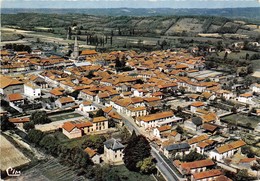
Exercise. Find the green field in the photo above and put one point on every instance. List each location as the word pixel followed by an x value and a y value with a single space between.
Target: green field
pixel 125 174
pixel 65 116
pixel 242 120
pixel 256 64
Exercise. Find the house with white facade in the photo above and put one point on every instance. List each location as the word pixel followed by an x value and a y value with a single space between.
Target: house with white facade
pixel 245 98
pixel 255 88
pixel 87 106
pixel 31 90
pixel 196 105
pixel 187 168
pixel 227 150
pixel 175 149
pixel 93 155
pixel 162 131
pixel 65 102
pixel 158 119
pixel 206 175
pixel 113 152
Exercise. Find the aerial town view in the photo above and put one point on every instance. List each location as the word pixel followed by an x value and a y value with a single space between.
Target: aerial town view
pixel 126 90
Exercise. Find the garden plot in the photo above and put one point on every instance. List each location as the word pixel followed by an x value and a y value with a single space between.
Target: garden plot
pixel 186 24
pixel 50 170
pixel 11 156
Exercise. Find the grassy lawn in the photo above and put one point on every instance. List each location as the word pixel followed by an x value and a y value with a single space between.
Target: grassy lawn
pixel 238 55
pixel 242 120
pixel 65 116
pixel 256 64
pixel 125 174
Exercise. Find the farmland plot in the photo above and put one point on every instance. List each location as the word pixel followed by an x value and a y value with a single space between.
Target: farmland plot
pixel 50 170
pixel 10 156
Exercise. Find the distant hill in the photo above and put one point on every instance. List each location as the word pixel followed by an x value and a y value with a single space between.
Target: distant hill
pixel 248 13
pixel 188 25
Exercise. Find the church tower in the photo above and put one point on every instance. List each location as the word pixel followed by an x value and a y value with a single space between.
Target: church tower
pixel 75 53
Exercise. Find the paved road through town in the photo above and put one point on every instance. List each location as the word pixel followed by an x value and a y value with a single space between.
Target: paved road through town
pixel 161 164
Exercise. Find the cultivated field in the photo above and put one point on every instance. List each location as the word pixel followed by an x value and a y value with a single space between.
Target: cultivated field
pixel 49 171
pixel 65 116
pixel 10 156
pixel 242 120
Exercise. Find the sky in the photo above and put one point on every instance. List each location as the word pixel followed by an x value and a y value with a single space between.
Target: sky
pixel 129 3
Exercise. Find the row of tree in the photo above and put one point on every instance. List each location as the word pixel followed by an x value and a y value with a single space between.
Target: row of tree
pixel 137 155
pixel 75 156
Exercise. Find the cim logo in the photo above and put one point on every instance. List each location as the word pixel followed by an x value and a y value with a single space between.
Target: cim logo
pixel 11 172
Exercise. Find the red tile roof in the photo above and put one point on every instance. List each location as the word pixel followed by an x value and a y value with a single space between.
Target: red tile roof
pixel 197 104
pixel 19 120
pixel 230 146
pixel 15 97
pixel 207 174
pixel 197 164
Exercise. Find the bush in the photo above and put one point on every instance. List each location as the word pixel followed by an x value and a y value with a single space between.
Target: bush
pixel 28 126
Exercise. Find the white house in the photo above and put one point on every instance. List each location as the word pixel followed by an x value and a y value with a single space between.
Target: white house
pixel 71 130
pixel 196 105
pixel 65 102
pixel 113 152
pixel 162 131
pixel 93 155
pixel 255 88
pixel 187 168
pixel 206 175
pixel 136 111
pixel 32 91
pixel 176 149
pixel 245 98
pixel 87 106
pixel 157 119
pixel 226 150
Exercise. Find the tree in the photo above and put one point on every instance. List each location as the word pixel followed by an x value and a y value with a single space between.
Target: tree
pixel 111 123
pixel 193 156
pixel 124 135
pixel 248 151
pixel 40 117
pixel 242 175
pixel 147 166
pixel 256 167
pixel 179 129
pixel 35 136
pixel 5 124
pixel 95 142
pixel 28 126
pixel 99 113
pixel 50 144
pixel 137 150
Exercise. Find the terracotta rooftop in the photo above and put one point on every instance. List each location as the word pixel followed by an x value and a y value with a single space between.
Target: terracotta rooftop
pixel 207 174
pixel 90 152
pixel 8 81
pixel 197 104
pixel 164 128
pixel 209 127
pixel 88 52
pixel 197 164
pixel 107 109
pixel 161 115
pixel 246 95
pixel 222 178
pixel 230 146
pixel 66 100
pixel 19 120
pixel 68 126
pixel 198 139
pixel 15 97
pixel 99 119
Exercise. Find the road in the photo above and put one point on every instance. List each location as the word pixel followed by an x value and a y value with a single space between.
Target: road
pixel 161 164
